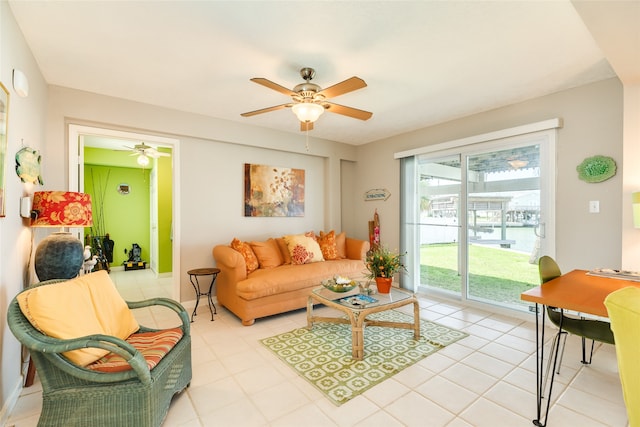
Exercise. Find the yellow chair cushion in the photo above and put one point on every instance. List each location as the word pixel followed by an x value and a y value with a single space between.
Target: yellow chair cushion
pixel 86 305
pixel 623 307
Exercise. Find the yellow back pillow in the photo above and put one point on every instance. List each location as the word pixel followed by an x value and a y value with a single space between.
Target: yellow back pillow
pixel 86 305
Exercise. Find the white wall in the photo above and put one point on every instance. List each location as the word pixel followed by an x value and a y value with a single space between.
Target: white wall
pixel 592 116
pixel 212 155
pixel 26 125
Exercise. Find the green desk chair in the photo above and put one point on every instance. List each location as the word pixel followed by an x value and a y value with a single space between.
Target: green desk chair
pixel 624 311
pixel 595 330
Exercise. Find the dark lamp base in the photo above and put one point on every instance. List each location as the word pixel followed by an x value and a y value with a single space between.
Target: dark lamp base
pixel 59 256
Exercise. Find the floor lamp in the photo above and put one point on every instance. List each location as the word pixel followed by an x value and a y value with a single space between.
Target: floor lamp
pixel 60 255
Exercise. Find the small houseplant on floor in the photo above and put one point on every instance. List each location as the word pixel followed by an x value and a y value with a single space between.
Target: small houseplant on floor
pixel 382 264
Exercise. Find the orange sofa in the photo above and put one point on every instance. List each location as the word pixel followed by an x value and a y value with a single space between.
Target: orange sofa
pixel 268 291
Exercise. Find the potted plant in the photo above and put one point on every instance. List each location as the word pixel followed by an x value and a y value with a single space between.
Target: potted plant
pixel 382 264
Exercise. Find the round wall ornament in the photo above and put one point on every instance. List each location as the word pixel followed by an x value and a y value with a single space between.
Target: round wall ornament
pixel 28 165
pixel 596 169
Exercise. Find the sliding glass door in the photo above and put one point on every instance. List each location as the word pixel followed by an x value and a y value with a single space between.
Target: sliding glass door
pixel 483 217
pixel 503 215
pixel 439 223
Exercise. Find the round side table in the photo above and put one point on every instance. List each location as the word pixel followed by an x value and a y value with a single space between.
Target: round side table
pixel 193 278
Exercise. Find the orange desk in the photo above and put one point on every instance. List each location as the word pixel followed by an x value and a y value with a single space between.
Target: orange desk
pixel 576 291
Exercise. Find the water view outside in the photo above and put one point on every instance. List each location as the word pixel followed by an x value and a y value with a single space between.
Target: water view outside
pixel 503 211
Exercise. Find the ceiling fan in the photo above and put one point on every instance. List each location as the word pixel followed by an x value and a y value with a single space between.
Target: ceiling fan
pixel 144 151
pixel 309 100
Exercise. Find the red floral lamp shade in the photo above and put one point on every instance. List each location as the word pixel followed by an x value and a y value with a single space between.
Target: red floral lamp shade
pixel 61 209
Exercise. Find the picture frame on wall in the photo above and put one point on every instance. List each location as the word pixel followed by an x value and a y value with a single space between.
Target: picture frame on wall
pixel 4 120
pixel 273 191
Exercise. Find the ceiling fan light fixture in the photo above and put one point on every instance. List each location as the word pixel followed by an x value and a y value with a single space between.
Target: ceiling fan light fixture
pixel 517 163
pixel 307 111
pixel 143 160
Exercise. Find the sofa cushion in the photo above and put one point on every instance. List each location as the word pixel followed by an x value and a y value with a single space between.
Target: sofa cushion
pixel 341 245
pixel 268 253
pixel 327 242
pixel 284 250
pixel 245 250
pixel 86 305
pixel 288 278
pixel 303 249
pixel 153 346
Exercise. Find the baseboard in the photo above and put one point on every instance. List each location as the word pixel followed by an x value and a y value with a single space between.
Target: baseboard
pixel 190 305
pixel 11 401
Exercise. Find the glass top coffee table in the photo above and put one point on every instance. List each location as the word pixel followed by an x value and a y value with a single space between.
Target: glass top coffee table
pixel 357 307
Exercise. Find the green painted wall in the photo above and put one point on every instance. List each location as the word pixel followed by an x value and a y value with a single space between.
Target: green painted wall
pixel 127 217
pixel 124 217
pixel 165 211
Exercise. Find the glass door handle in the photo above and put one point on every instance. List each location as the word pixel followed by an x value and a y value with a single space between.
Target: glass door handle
pixel 539 230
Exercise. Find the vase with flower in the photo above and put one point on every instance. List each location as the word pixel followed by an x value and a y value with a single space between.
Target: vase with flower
pixel 382 264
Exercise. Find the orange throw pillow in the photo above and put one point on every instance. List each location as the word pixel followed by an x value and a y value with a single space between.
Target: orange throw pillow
pixel 328 246
pixel 284 250
pixel 268 253
pixel 247 253
pixel 341 245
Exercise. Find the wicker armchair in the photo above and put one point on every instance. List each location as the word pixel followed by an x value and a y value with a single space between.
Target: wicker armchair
pixel 77 396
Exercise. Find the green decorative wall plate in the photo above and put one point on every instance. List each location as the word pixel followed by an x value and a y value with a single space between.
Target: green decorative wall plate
pixel 28 165
pixel 596 169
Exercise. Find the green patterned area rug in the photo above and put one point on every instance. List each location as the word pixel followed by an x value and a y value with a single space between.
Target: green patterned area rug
pixel 322 355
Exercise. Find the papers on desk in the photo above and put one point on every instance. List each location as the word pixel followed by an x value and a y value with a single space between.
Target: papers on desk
pixel 616 274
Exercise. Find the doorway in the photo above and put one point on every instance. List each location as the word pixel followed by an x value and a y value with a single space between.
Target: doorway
pixel 115 140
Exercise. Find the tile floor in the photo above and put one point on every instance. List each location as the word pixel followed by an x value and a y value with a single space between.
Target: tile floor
pixel 487 379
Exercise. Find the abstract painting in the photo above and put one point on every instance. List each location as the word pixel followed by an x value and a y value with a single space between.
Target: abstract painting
pixel 273 191
pixel 4 119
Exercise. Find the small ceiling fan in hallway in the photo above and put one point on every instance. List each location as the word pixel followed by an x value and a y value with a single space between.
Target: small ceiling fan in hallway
pixel 309 100
pixel 144 152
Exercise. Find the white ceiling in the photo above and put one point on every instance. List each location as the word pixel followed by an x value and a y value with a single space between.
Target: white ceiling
pixel 425 62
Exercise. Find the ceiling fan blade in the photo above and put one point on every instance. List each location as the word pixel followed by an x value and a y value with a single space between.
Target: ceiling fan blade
pixel 155 154
pixel 349 85
pixel 348 111
pixel 265 110
pixel 305 126
pixel 272 85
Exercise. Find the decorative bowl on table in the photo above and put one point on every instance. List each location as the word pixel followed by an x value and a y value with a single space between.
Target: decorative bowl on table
pixel 339 284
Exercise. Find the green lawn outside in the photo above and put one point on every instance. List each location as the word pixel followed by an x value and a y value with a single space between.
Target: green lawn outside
pixel 497 275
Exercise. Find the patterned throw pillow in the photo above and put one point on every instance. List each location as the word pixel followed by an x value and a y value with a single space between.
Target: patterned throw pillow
pixel 303 249
pixel 247 253
pixel 327 244
pixel 153 346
